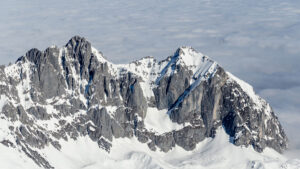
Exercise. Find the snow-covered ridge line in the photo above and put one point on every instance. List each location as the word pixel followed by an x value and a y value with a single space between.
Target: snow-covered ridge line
pixel 258 101
pixel 189 57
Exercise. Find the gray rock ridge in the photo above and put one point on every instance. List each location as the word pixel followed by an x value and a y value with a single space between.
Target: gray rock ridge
pixel 43 90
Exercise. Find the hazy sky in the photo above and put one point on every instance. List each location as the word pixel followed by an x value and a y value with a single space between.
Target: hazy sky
pixel 257 40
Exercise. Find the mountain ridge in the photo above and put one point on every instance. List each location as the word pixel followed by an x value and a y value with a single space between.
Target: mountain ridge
pixel 72 92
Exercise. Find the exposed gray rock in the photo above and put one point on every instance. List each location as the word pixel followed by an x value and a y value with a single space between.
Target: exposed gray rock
pixel 23 115
pixel 134 96
pixel 165 142
pixel 10 112
pixel 188 137
pixel 151 146
pixel 44 75
pixel 39 113
pixel 103 122
pixel 7 143
pixel 171 87
pixel 102 143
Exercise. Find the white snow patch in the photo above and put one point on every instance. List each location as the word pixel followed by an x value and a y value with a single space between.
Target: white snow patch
pixel 11 158
pixel 99 55
pixel 111 110
pixel 3 101
pixel 159 121
pixel 92 128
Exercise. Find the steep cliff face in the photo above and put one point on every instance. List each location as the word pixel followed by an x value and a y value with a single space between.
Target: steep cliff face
pixel 71 92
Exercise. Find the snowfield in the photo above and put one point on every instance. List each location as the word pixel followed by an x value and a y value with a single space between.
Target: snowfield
pixel 131 154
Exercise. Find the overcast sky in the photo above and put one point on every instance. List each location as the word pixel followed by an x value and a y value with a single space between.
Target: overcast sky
pixel 257 40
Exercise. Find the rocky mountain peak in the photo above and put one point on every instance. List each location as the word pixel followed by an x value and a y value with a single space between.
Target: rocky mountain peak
pixel 184 50
pixel 189 57
pixel 77 49
pixel 73 92
pixel 78 43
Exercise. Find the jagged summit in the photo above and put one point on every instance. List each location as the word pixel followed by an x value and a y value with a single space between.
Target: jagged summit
pixel 190 56
pixel 78 48
pixel 72 93
pixel 82 51
pixel 77 41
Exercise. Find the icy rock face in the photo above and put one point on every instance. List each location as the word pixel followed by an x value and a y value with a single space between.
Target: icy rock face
pixel 73 91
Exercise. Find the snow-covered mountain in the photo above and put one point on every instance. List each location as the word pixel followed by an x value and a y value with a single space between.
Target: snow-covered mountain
pixel 70 107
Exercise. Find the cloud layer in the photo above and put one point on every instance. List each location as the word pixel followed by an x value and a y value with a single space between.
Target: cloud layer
pixel 256 40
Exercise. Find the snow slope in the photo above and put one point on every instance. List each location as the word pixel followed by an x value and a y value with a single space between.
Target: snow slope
pixel 159 121
pixel 131 154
